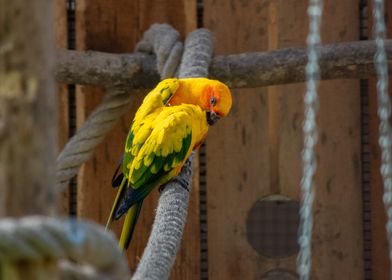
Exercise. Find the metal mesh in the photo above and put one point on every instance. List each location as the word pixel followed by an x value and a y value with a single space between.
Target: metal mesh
pixel 272 227
pixel 71 37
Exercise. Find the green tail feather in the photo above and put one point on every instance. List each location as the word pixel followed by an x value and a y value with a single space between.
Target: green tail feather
pixel 116 202
pixel 129 225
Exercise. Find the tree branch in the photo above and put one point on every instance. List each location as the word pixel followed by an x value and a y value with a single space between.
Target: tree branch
pixel 353 60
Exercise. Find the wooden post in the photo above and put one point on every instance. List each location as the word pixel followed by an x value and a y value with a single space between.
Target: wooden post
pixel 261 145
pixel 28 142
pixel 116 26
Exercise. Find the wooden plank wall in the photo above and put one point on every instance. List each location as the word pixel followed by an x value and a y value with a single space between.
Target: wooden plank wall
pixel 380 266
pixel 116 26
pixel 261 142
pixel 241 142
pixel 60 14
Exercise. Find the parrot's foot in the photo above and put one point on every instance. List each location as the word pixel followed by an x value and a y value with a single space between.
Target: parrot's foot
pixel 182 182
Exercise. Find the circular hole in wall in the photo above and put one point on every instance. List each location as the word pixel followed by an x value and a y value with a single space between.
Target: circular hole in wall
pixel 279 274
pixel 272 226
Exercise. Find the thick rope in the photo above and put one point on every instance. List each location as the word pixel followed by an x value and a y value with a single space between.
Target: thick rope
pixel 166 234
pixel 162 40
pixel 384 113
pixel 81 146
pixel 36 238
pixel 311 101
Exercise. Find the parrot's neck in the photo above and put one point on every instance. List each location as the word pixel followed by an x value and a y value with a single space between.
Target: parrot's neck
pixel 190 93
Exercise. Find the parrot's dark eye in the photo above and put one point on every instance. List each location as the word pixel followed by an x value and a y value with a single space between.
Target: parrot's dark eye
pixel 213 101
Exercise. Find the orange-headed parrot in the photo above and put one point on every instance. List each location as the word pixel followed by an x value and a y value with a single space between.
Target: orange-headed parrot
pixel 172 121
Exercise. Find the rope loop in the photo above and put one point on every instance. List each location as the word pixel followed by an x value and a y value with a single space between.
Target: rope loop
pixel 162 40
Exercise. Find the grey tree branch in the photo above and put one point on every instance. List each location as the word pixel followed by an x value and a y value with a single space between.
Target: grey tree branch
pixel 137 70
pixel 352 60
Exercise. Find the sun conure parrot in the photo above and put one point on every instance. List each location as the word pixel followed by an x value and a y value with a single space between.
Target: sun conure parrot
pixel 172 121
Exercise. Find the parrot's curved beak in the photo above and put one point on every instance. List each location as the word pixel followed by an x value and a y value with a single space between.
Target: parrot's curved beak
pixel 212 117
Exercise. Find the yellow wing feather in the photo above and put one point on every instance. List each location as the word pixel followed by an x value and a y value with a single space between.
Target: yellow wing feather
pixel 175 132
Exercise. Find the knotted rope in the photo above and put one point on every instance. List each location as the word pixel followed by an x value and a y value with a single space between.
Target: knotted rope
pixel 162 40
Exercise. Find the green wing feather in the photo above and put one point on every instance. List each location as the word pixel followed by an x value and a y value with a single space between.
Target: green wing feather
pixel 159 158
pixel 142 125
pixel 141 129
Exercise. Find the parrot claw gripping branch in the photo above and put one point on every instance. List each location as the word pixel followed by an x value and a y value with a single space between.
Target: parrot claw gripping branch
pixel 183 183
pixel 172 121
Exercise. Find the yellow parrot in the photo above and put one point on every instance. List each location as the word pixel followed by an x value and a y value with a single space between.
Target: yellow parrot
pixel 172 121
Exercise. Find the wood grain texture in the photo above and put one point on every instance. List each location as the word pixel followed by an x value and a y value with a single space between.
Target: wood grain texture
pixel 379 245
pixel 238 166
pixel 337 237
pixel 116 27
pixel 270 154
pixel 60 17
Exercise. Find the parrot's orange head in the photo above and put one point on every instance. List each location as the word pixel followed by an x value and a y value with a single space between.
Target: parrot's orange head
pixel 216 100
pixel 212 96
